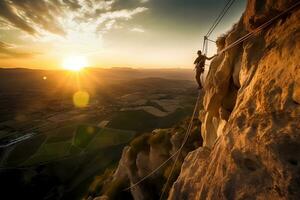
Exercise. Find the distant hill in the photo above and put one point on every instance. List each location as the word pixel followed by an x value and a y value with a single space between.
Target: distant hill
pixel 113 73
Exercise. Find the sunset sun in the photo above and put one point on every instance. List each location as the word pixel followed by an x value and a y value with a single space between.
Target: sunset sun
pixel 74 63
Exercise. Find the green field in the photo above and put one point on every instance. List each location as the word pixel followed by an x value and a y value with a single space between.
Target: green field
pixel 48 152
pixel 110 137
pixel 65 133
pixel 84 134
pixel 71 142
pixel 142 121
pixel 25 150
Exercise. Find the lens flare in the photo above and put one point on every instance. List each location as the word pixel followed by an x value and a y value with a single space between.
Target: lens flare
pixel 81 99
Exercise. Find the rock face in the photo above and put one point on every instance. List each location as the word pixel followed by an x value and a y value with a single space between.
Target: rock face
pixel 251 116
pixel 141 157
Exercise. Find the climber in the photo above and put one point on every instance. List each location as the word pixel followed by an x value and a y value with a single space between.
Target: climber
pixel 200 63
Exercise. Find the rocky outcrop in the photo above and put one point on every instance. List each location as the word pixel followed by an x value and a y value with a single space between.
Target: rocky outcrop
pixel 144 154
pixel 251 116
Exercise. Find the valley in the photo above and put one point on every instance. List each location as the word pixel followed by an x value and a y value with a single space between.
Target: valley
pixel 58 147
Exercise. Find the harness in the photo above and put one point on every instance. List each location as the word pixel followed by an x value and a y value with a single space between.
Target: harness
pixel 201 63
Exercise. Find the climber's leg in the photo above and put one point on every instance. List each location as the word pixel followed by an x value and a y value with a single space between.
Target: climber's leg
pixel 198 74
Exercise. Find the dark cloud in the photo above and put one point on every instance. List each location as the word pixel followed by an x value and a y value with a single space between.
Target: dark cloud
pixel 126 4
pixel 29 15
pixel 8 14
pixel 32 16
pixel 36 17
pixel 41 13
pixel 72 4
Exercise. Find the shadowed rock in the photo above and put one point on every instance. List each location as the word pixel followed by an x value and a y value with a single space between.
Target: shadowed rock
pixel 251 116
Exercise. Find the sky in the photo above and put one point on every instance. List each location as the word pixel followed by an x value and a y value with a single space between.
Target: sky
pixel 109 33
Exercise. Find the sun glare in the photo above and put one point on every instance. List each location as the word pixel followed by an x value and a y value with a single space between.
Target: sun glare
pixel 75 63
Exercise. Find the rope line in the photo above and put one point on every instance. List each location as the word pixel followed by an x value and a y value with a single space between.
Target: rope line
pixel 258 29
pixel 210 40
pixel 204 43
pixel 220 17
pixel 174 154
pixel 180 149
pixel 205 51
pixel 205 46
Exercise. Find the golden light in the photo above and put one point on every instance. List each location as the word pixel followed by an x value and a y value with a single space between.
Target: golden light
pixel 44 78
pixel 75 63
pixel 81 99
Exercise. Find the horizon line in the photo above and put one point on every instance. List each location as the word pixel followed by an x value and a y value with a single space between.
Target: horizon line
pixel 91 68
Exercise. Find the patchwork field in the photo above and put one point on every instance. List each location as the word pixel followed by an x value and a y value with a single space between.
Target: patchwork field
pixel 59 148
pixel 67 142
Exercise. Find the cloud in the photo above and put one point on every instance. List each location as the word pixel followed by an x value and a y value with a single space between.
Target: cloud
pixel 121 14
pixel 8 14
pixel 109 25
pixel 10 51
pixel 73 4
pixel 139 30
pixel 127 4
pixel 32 15
pixel 66 23
pixel 108 19
pixel 36 16
pixel 4 45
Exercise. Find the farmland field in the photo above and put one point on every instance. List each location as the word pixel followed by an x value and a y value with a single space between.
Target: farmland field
pixel 84 134
pixel 48 152
pixel 24 150
pixel 110 137
pixel 68 146
pixel 86 139
pixel 65 133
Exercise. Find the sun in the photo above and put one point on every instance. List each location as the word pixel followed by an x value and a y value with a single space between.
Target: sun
pixel 74 63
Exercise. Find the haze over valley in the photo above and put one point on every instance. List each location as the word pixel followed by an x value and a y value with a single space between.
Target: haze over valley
pixel 56 124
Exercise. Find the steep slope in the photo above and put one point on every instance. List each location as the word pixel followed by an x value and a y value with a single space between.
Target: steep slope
pixel 251 116
pixel 144 154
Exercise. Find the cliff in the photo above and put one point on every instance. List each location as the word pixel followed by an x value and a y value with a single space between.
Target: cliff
pixel 143 155
pixel 251 115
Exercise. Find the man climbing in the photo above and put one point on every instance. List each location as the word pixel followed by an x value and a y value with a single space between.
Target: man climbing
pixel 200 64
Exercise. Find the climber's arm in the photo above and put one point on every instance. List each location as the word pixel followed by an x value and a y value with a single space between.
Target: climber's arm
pixel 209 58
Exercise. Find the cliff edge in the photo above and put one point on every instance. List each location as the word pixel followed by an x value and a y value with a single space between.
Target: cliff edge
pixel 141 157
pixel 251 115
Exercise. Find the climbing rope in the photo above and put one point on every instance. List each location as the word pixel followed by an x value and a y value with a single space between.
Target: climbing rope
pixel 220 17
pixel 205 44
pixel 187 135
pixel 259 29
pixel 215 24
pixel 227 6
pixel 174 154
pixel 205 51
